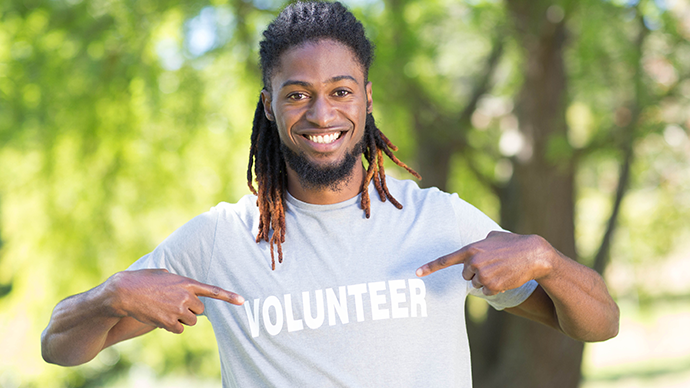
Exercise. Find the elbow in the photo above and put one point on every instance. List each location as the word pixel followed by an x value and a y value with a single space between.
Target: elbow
pixel 49 354
pixel 597 330
pixel 47 357
pixel 614 322
pixel 45 348
pixel 51 359
pixel 609 328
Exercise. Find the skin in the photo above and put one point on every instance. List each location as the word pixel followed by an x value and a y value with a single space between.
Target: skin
pixel 320 89
pixel 571 297
pixel 127 305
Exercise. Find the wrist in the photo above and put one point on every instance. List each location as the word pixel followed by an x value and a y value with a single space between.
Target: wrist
pixel 546 258
pixel 112 295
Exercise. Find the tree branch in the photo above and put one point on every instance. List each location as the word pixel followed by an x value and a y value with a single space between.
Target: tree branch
pixel 602 257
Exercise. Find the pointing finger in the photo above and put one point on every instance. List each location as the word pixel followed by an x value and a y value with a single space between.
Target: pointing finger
pixel 442 262
pixel 215 292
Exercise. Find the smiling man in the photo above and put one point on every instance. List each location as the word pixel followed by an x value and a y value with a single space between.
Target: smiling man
pixel 369 293
pixel 319 104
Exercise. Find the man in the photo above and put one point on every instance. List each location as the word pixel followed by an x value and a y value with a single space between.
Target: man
pixel 362 297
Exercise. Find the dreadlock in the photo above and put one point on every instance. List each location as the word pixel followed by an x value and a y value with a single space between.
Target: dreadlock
pixel 297 24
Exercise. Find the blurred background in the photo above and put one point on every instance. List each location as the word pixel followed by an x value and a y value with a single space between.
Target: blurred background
pixel 122 119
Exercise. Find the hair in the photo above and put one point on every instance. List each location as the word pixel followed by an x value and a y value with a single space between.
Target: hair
pixel 297 24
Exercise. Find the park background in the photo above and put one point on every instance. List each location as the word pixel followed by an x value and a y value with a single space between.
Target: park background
pixel 122 119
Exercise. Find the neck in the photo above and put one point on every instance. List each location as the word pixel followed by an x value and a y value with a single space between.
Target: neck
pixel 347 189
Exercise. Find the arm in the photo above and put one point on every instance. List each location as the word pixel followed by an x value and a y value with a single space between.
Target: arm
pixel 571 297
pixel 574 298
pixel 127 305
pixel 81 327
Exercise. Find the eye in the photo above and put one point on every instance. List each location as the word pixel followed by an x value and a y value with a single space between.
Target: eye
pixel 341 93
pixel 297 96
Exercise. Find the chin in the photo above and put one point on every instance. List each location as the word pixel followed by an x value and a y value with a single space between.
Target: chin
pixel 324 175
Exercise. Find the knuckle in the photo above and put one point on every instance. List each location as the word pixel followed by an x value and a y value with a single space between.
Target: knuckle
pixel 473 250
pixel 494 285
pixel 170 325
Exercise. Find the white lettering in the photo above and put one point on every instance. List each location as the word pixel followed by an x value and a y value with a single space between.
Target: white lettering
pixel 313 322
pixel 397 298
pixel 377 300
pixel 357 291
pixel 334 305
pixel 292 323
pixel 398 306
pixel 253 318
pixel 273 328
pixel 417 295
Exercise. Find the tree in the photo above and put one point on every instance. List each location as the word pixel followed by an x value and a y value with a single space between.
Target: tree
pixel 118 122
pixel 529 157
pixel 121 120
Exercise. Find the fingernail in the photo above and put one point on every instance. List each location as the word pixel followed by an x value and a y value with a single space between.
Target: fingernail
pixel 240 300
pixel 420 272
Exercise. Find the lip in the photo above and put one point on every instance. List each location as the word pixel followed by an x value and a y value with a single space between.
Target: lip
pixel 322 147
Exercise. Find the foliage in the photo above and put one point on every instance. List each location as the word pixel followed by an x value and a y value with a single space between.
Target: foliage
pixel 120 120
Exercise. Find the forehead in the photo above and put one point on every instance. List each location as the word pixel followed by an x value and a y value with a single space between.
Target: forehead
pixel 315 62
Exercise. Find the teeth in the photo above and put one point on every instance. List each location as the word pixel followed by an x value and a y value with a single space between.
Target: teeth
pixel 324 139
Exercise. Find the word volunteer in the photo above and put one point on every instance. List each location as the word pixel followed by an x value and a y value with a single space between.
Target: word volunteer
pixel 393 299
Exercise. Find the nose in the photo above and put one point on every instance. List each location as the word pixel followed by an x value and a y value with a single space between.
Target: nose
pixel 321 112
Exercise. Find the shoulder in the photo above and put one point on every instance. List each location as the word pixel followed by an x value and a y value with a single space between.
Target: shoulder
pixel 409 191
pixel 245 204
pixel 189 249
pixel 471 222
pixel 244 209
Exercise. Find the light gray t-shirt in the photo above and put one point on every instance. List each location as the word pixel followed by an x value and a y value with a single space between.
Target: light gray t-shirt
pixel 345 308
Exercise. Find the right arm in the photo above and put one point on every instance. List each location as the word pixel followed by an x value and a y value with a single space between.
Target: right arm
pixel 128 304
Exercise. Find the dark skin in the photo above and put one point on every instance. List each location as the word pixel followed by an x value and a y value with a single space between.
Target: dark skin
pixel 320 106
pixel 319 91
pixel 571 297
pixel 126 305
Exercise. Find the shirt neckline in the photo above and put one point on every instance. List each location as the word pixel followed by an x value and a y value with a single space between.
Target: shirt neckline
pixel 315 207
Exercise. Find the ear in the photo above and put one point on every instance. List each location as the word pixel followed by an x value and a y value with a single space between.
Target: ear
pixel 266 100
pixel 370 101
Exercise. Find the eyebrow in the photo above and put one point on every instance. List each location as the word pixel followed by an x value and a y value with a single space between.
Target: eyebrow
pixel 308 84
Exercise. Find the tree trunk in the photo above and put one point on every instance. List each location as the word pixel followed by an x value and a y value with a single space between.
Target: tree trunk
pixel 510 351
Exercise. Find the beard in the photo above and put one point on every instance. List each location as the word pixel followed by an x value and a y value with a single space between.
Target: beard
pixel 330 176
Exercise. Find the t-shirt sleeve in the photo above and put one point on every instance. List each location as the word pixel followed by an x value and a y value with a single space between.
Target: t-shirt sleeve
pixel 474 226
pixel 187 251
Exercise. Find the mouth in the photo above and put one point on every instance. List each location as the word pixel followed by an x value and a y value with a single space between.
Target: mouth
pixel 325 138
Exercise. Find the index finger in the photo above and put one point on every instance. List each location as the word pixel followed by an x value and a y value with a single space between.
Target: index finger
pixel 215 292
pixel 457 257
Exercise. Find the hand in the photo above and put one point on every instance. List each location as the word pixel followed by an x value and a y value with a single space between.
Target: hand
pixel 158 298
pixel 502 261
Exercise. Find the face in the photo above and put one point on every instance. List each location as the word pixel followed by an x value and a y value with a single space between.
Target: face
pixel 319 102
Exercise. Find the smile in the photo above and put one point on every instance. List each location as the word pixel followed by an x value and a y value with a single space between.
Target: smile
pixel 324 139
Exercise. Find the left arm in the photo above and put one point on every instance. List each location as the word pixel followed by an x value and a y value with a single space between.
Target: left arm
pixel 571 297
